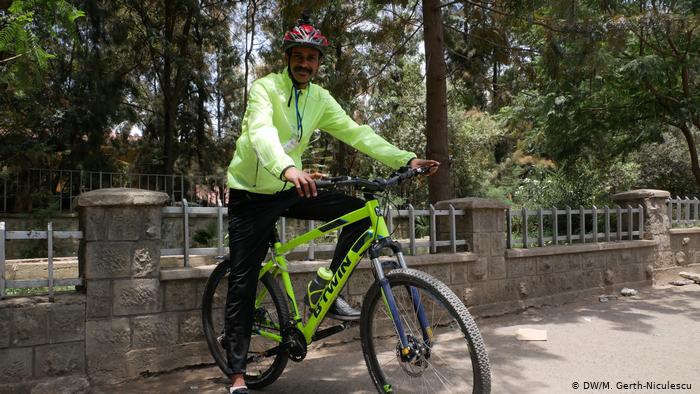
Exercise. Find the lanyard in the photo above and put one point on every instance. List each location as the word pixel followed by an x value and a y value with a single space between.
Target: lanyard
pixel 300 116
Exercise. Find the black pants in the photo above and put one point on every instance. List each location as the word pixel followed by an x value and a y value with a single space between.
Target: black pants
pixel 252 218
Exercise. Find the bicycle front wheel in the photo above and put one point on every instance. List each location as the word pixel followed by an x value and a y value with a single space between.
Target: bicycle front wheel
pixel 447 353
pixel 271 314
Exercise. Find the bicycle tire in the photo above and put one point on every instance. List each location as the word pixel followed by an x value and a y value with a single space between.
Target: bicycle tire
pixel 391 374
pixel 256 377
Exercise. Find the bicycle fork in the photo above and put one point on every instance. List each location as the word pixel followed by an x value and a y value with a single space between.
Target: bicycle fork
pixel 390 304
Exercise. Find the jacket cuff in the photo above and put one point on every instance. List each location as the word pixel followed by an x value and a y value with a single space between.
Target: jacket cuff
pixel 283 170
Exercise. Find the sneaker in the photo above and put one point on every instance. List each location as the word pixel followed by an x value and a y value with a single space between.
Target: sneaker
pixel 238 390
pixel 341 310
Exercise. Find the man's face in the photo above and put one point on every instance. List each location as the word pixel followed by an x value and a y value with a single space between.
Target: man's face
pixel 304 62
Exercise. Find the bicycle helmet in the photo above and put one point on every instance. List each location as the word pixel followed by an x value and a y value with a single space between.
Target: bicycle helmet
pixel 304 34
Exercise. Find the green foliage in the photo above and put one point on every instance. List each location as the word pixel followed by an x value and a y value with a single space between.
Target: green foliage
pixel 613 78
pixel 473 139
pixel 585 185
pixel 549 103
pixel 665 166
pixel 206 237
pixel 24 28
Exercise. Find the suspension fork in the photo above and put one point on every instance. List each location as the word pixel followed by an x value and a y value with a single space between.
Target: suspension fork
pixel 417 305
pixel 389 299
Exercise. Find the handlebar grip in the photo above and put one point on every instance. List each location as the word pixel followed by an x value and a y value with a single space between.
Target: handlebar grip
pixel 324 183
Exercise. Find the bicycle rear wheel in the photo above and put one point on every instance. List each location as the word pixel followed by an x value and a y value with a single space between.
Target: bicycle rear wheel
pixel 272 313
pixel 454 357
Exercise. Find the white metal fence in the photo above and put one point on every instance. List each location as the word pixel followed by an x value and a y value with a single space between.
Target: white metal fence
pixel 412 244
pixel 50 282
pixel 553 226
pixel 684 212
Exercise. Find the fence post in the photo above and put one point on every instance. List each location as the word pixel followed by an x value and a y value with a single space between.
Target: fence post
pixel 555 226
pixel 630 223
pixel 220 222
pixel 582 223
pixel 509 224
pixel 2 260
pixel 695 211
pixel 540 232
pixel 412 229
pixel 594 214
pixel 433 230
pixel 687 210
pixel 641 221
pixel 482 226
pixel 657 214
pixel 390 220
pixel 185 233
pixel 453 229
pixel 312 244
pixel 618 210
pixel 524 228
pixel 119 262
pixel 49 239
pixel 607 224
pixel 568 225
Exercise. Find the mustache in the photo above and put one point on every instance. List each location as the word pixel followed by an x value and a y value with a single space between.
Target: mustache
pixel 297 69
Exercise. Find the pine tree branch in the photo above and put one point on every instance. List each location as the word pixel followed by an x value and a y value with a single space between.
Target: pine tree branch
pixel 395 52
pixel 491 42
pixel 12 58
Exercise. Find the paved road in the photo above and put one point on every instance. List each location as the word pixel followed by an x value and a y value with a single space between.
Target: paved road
pixel 653 337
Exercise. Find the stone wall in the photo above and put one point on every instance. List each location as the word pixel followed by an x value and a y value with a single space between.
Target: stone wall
pixel 40 340
pixel 136 315
pixel 685 246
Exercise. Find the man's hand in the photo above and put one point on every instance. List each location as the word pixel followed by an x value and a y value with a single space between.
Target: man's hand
pixel 306 187
pixel 417 163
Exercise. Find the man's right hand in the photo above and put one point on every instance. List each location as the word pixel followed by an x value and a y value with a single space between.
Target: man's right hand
pixel 306 187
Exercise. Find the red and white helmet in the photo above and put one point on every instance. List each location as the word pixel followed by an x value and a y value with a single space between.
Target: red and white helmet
pixel 304 34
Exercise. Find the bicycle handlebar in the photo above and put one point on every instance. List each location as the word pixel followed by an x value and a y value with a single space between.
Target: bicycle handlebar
pixel 372 185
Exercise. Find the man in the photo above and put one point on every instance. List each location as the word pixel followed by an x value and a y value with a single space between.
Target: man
pixel 267 181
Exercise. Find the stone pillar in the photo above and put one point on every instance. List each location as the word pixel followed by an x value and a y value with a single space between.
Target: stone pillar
pixel 483 226
pixel 119 259
pixel 657 224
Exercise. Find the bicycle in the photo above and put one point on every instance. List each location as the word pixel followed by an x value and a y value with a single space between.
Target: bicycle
pixel 415 332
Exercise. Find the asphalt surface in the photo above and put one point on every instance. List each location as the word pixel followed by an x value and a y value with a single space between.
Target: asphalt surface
pixel 640 344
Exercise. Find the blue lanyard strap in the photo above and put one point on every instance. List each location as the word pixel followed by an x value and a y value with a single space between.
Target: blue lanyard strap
pixel 300 116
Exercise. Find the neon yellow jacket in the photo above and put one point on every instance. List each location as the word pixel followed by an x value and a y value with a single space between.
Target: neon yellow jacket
pixel 270 141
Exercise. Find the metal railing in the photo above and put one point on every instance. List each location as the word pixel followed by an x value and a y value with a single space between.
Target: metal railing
pixel 412 244
pixel 684 212
pixel 543 227
pixel 57 188
pixel 50 282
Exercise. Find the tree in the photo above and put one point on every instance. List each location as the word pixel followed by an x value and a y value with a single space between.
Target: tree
pixel 436 101
pixel 612 76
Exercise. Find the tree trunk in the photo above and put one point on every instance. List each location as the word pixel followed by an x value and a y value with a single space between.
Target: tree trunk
pixel 436 101
pixel 250 29
pixel 692 148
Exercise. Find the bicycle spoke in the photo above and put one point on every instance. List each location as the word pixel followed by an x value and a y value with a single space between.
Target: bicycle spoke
pixel 442 364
